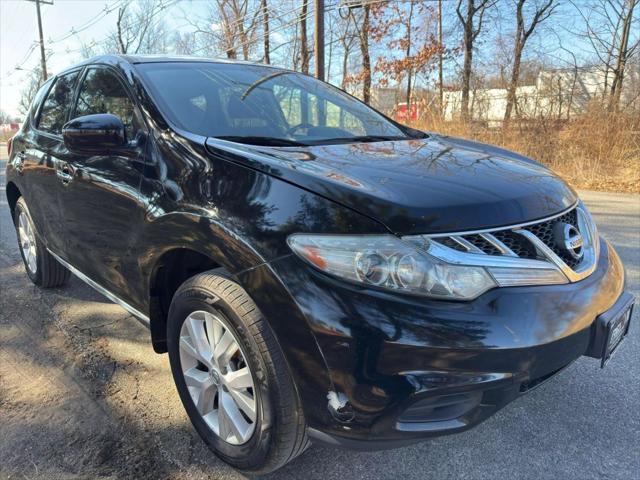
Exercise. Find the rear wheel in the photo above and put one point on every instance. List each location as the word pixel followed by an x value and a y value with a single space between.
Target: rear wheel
pixel 42 268
pixel 232 377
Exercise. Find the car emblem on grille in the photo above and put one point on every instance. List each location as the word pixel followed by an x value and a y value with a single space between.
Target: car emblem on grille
pixel 569 239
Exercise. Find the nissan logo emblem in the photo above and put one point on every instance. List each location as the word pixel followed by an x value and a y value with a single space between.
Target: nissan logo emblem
pixel 569 239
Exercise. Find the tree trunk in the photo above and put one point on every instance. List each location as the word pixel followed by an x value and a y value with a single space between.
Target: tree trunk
pixel 440 55
pixel 513 84
pixel 408 56
pixel 244 40
pixel 304 45
pixel 123 49
pixel 468 60
pixel 366 56
pixel 345 62
pixel 621 61
pixel 229 37
pixel 522 35
pixel 265 24
pixel 466 77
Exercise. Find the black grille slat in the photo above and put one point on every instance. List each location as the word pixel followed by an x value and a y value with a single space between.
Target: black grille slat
pixel 517 243
pixel 482 244
pixel 449 242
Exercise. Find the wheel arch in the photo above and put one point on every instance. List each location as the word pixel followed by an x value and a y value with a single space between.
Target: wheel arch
pixel 172 268
pixel 13 194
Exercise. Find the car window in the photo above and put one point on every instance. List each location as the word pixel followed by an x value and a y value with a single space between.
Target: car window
pixel 255 103
pixel 55 108
pixel 102 92
pixel 37 99
pixel 294 100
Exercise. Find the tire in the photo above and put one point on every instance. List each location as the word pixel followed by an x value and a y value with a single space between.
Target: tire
pixel 277 431
pixel 42 268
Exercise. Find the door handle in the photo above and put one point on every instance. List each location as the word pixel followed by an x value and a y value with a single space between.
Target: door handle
pixel 18 161
pixel 64 173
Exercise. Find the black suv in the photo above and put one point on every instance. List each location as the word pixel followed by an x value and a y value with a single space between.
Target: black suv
pixel 315 270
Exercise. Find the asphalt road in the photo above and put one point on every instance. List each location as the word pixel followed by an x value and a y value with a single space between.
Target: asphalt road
pixel 82 395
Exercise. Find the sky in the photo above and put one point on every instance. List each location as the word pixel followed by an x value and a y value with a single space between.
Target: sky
pixel 19 32
pixel 19 50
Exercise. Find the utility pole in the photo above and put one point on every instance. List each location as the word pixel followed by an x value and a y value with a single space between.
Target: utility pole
pixel 440 58
pixel 43 59
pixel 319 39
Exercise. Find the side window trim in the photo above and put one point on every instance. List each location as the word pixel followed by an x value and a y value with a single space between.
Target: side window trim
pixel 76 96
pixel 123 84
pixel 36 122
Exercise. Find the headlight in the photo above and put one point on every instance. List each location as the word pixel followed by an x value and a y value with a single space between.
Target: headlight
pixel 388 262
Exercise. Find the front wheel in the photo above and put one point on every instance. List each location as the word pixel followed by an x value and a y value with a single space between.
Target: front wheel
pixel 42 268
pixel 232 377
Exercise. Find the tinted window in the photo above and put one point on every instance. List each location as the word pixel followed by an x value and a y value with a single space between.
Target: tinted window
pixel 102 92
pixel 37 99
pixel 249 101
pixel 55 108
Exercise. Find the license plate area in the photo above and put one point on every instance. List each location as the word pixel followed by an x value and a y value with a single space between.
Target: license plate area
pixel 617 330
pixel 610 329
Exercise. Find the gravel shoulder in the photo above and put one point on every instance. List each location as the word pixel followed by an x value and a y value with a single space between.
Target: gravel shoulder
pixel 83 395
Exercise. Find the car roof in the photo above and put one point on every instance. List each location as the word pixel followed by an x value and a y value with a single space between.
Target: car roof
pixel 118 59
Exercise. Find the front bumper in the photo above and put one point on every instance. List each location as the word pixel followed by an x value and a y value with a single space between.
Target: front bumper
pixel 401 368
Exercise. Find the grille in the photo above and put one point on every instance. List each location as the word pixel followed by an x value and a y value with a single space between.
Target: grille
pixel 544 231
pixel 479 242
pixel 511 243
pixel 517 244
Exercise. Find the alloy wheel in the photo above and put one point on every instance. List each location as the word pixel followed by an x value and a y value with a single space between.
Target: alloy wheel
pixel 218 377
pixel 27 238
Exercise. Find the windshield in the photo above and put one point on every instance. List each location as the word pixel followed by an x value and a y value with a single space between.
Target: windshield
pixel 261 105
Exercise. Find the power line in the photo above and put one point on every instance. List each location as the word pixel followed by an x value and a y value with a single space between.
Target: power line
pixel 279 28
pixel 91 22
pixel 281 15
pixel 299 18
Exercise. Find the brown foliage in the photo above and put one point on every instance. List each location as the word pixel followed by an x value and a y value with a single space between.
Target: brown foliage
pixel 597 150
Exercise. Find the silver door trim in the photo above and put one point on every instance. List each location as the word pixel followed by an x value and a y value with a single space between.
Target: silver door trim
pixel 99 288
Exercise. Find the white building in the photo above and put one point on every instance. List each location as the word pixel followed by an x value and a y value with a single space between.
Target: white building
pixel 558 94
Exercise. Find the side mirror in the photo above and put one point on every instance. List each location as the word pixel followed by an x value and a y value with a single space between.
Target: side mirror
pixel 94 133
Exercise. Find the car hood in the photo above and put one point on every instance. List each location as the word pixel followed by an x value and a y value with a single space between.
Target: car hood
pixel 432 185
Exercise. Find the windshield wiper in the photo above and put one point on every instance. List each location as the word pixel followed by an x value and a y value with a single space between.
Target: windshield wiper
pixel 263 141
pixel 362 139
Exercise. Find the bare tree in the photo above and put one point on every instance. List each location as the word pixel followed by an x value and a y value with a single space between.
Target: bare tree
pixel 184 43
pixel 609 28
pixel 407 27
pixel 358 27
pixel 4 117
pixel 229 28
pixel 139 29
pixel 541 12
pixel 471 21
pixel 623 53
pixel 347 39
pixel 32 85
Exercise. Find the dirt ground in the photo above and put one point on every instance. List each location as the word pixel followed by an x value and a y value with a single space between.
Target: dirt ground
pixel 82 395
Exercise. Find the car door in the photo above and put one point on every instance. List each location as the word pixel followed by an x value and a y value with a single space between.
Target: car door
pixel 42 155
pixel 100 203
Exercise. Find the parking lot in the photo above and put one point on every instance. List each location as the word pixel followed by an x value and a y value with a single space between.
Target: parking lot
pixel 83 395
